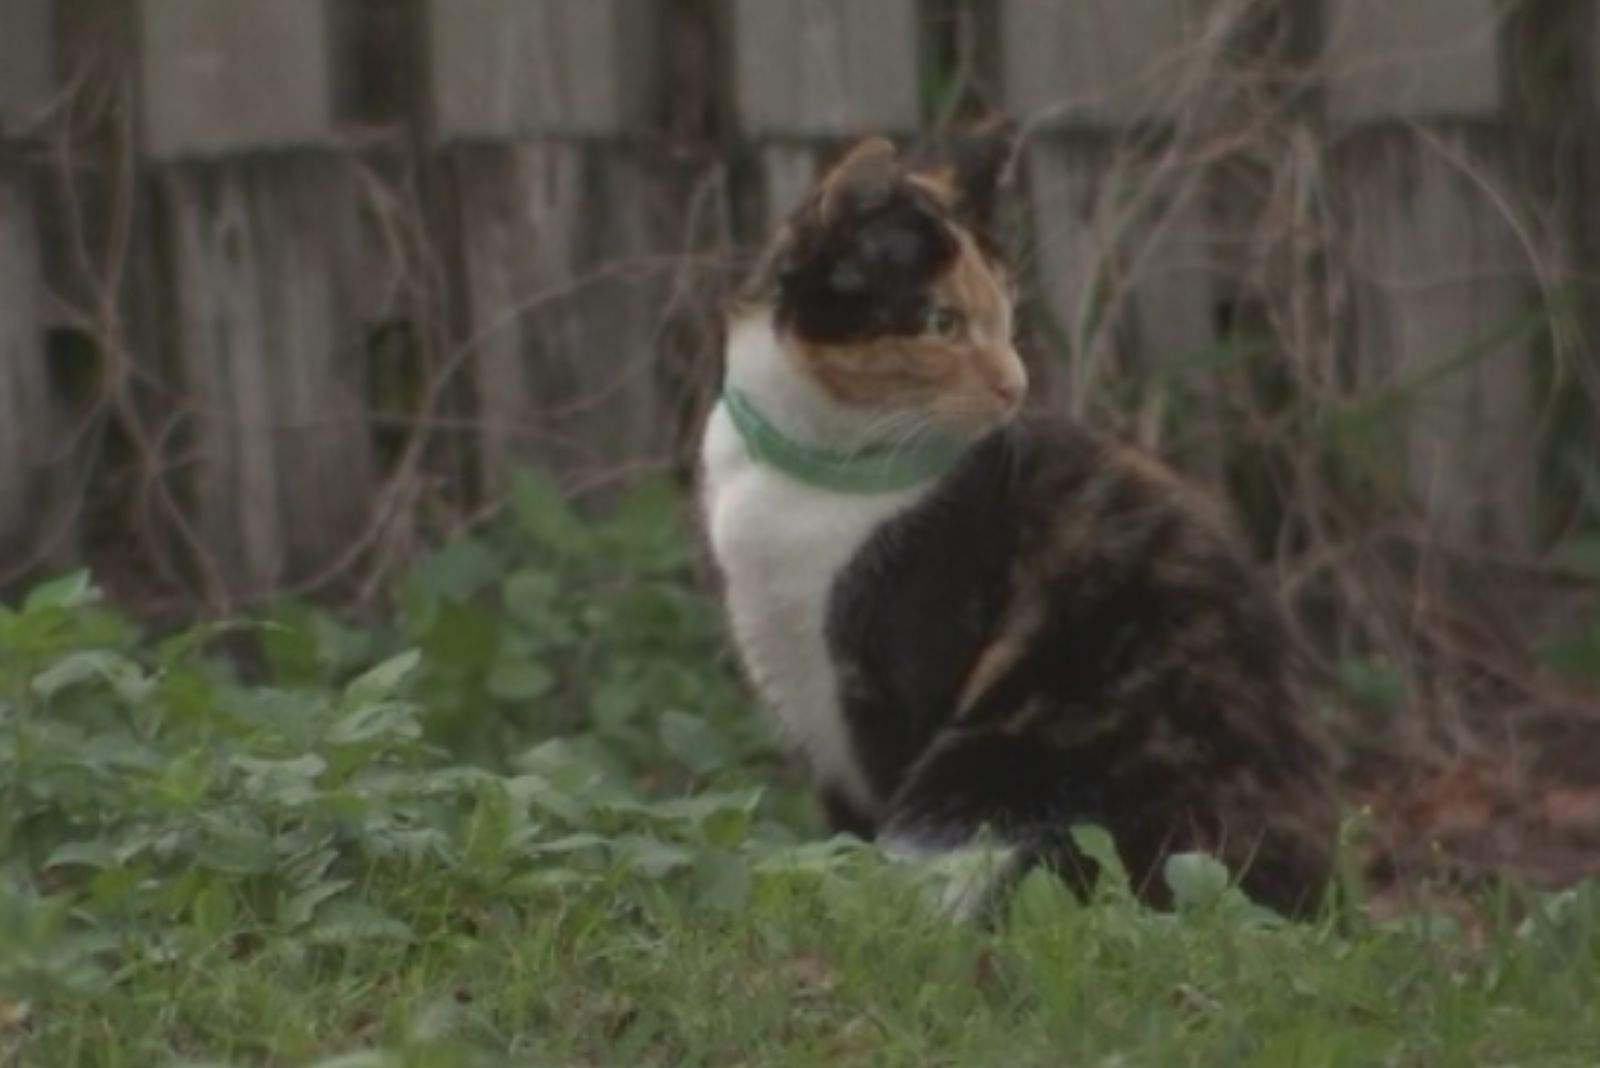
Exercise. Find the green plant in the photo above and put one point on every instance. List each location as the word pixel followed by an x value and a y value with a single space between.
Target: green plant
pixel 529 818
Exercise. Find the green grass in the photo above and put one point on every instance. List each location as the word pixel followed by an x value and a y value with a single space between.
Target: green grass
pixel 532 818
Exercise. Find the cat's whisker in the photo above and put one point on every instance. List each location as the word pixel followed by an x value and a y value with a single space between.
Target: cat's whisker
pixel 915 433
pixel 896 431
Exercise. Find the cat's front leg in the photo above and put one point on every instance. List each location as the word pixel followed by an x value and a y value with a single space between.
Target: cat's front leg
pixel 845 816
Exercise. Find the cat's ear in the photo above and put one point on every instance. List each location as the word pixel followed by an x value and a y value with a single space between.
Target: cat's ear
pixel 864 177
pixel 981 163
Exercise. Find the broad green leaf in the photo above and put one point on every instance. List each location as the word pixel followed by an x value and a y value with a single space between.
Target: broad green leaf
pixel 614 705
pixel 1042 897
pixel 89 854
pixel 1565 916
pixel 396 722
pixel 1197 880
pixel 694 742
pixel 385 680
pixel 544 879
pixel 490 827
pixel 722 880
pixel 214 910
pixel 305 865
pixel 298 910
pixel 1097 844
pixel 572 843
pixel 343 922
pixel 461 638
pixel 703 807
pixel 160 839
pixel 528 594
pixel 286 782
pixel 542 513
pixel 69 591
pixel 812 858
pixel 186 644
pixel 542 793
pixel 126 678
pixel 463 567
pixel 578 763
pixel 420 845
pixel 520 680
pixel 651 857
pixel 235 848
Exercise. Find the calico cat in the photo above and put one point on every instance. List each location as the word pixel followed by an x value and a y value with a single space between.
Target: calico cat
pixel 972 623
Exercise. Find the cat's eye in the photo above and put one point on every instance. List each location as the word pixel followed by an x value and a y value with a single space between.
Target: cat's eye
pixel 946 323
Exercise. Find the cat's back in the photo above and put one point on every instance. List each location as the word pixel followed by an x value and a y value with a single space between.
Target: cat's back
pixel 1088 559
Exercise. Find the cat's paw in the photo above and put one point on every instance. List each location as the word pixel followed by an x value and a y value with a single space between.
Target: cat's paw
pixel 967 883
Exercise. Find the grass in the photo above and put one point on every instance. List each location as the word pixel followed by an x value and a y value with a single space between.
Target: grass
pixel 531 818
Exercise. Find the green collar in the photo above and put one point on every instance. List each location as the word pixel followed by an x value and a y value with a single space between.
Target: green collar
pixel 877 470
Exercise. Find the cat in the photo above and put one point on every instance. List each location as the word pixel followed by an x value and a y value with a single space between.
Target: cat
pixel 977 623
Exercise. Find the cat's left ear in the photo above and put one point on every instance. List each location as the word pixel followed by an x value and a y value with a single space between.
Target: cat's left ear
pixel 864 177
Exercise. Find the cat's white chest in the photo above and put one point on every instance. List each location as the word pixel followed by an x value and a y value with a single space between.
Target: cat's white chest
pixel 780 543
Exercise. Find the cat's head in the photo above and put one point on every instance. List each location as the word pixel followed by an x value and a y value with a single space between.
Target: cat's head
pixel 889 296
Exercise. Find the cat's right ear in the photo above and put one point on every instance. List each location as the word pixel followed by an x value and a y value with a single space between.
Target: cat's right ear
pixel 982 161
pixel 865 177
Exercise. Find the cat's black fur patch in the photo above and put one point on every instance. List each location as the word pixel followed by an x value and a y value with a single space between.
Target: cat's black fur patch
pixel 1155 686
pixel 979 160
pixel 864 270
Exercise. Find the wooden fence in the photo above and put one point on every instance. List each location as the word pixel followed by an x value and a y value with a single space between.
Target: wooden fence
pixel 284 281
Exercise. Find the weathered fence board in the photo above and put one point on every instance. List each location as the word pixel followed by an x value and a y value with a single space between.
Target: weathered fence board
pixel 28 433
pixel 563 260
pixel 248 74
pixel 266 346
pixel 561 297
pixel 511 182
pixel 269 363
pixel 27 61
pixel 511 68
pixel 1125 255
pixel 1100 61
pixel 1417 59
pixel 1444 300
pixel 820 70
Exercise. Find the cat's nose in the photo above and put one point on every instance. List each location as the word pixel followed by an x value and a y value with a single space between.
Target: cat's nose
pixel 1008 380
pixel 1013 390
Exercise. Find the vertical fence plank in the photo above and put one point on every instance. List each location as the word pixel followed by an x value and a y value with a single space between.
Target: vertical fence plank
pixel 269 360
pixel 818 71
pixel 1084 74
pixel 1422 58
pixel 1097 62
pixel 27 433
pixel 1444 299
pixel 508 68
pixel 563 214
pixel 562 232
pixel 825 68
pixel 27 61
pixel 248 75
